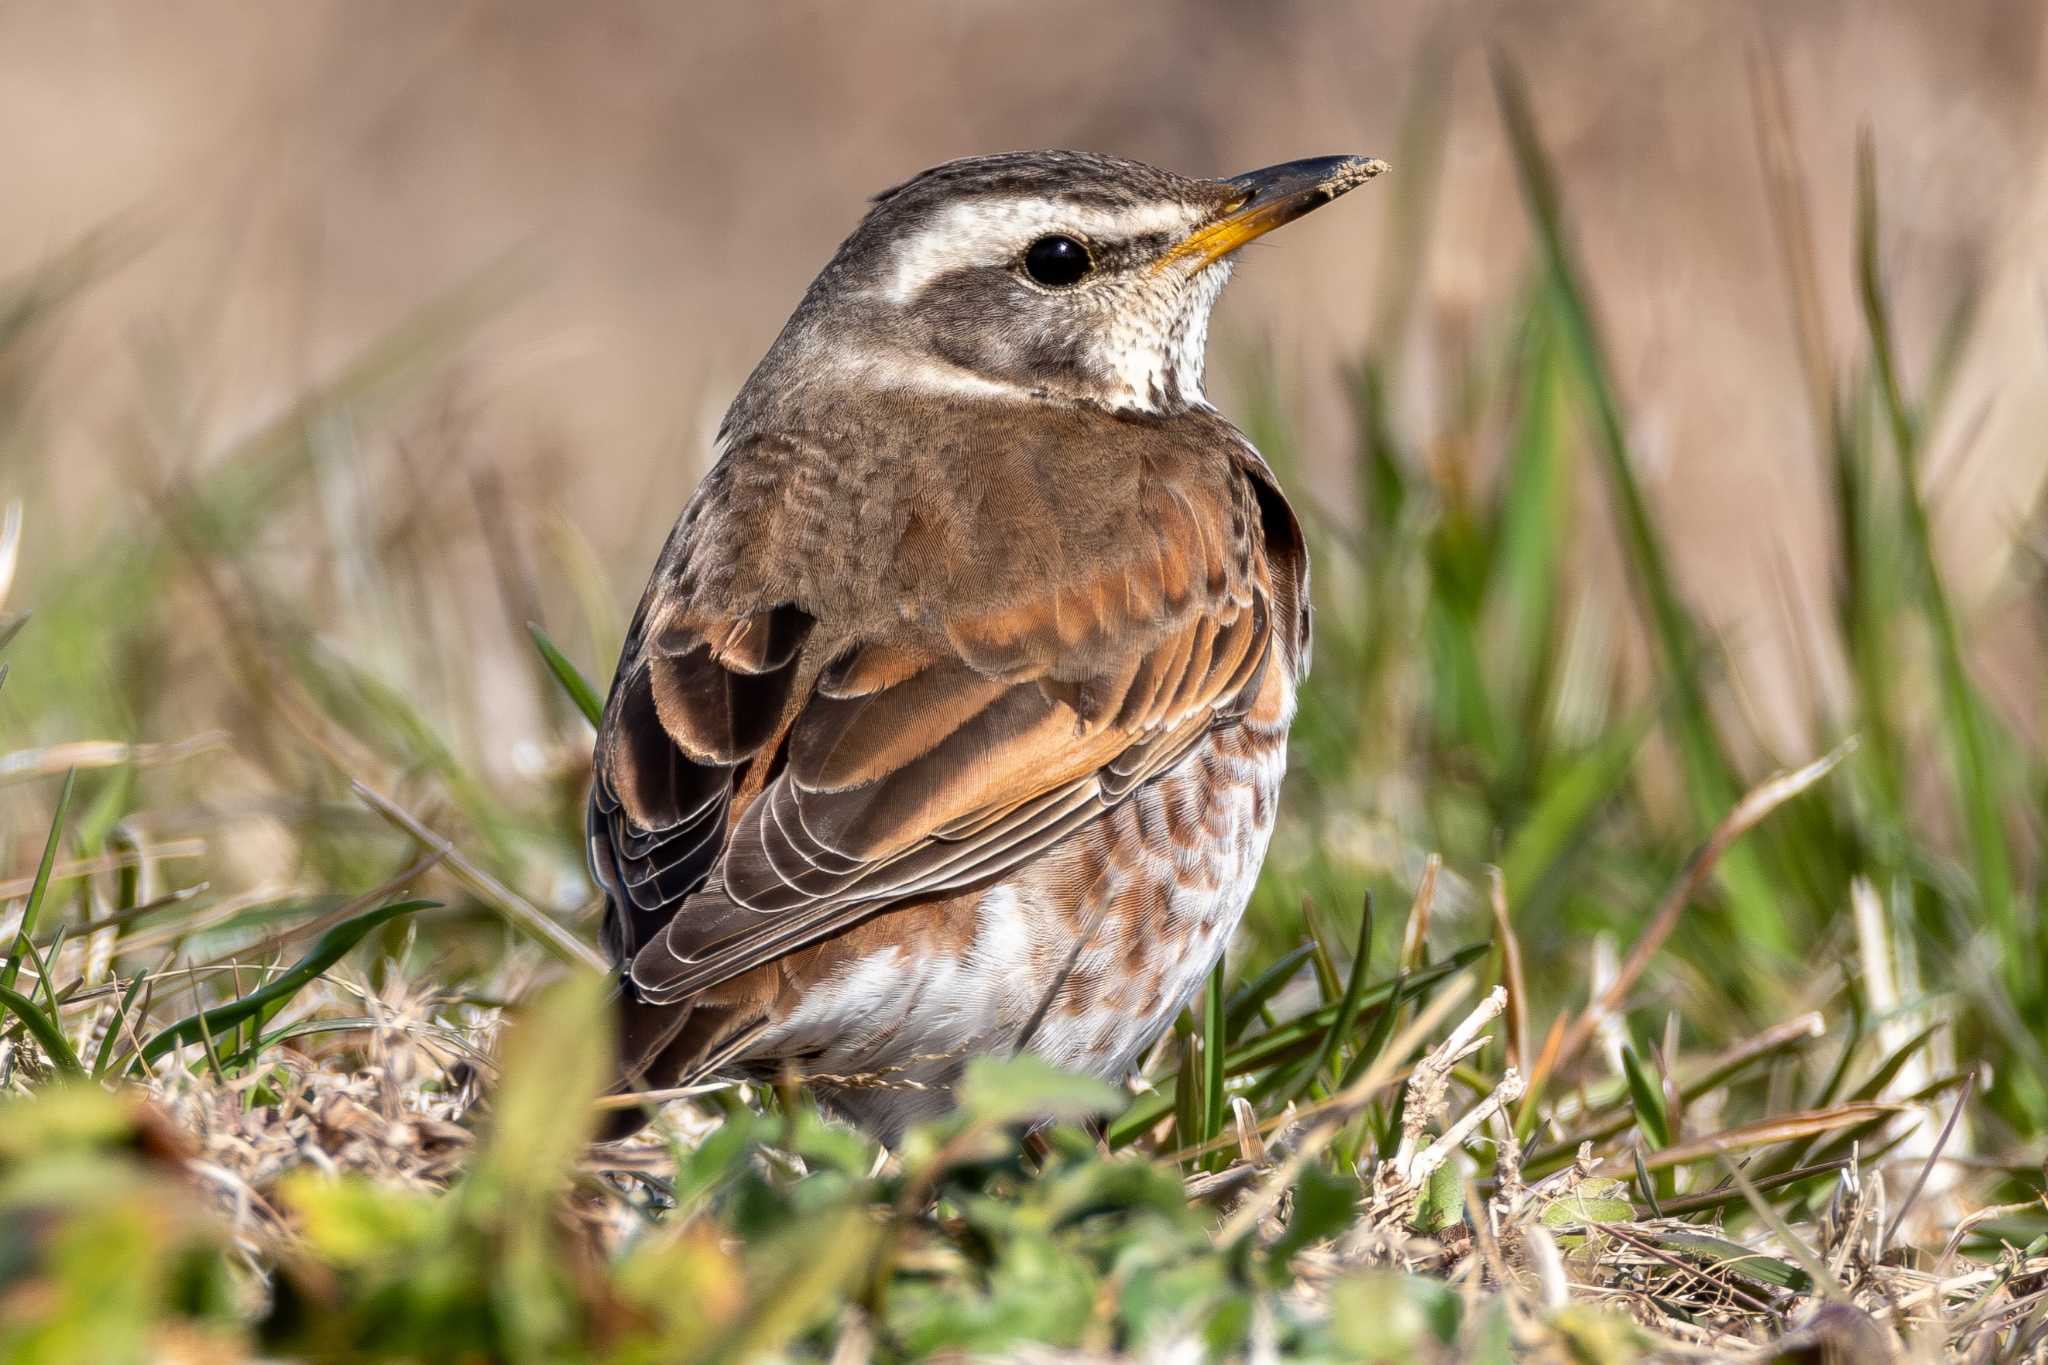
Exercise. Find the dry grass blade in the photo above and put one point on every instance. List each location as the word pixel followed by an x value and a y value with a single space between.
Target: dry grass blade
pixel 1976 1219
pixel 107 862
pixel 1416 932
pixel 1511 970
pixel 1697 1080
pixel 1795 1246
pixel 1746 814
pixel 1335 1112
pixel 25 765
pixel 1719 1284
pixel 10 548
pixel 1721 1196
pixel 499 896
pixel 1772 1131
pixel 1948 1129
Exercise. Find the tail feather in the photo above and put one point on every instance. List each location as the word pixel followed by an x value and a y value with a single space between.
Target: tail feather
pixel 664 1047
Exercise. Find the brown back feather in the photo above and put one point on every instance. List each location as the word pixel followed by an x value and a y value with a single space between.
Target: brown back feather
pixel 941 645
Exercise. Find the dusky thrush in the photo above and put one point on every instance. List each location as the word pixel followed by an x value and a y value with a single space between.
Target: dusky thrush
pixel 953 719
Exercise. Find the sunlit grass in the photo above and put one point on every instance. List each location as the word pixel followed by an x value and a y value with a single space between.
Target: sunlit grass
pixel 293 805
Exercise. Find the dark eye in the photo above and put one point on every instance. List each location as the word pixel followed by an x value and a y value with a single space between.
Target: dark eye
pixel 1057 262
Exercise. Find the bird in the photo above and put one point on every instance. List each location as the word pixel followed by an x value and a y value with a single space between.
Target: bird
pixel 953 719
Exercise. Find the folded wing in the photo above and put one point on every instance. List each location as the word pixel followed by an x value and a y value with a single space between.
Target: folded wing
pixel 765 780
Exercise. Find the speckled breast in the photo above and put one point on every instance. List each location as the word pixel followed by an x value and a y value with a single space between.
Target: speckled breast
pixel 1085 955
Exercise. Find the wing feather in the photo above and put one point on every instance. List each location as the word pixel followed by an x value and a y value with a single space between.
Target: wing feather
pixel 768 776
pixel 873 810
pixel 678 727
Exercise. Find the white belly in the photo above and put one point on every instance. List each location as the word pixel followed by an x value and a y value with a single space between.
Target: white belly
pixel 1164 877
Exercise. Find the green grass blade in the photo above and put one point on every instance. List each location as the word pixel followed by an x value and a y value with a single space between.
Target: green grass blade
pixel 1888 1070
pixel 328 950
pixel 1535 514
pixel 115 1027
pixel 311 1028
pixel 1867 605
pixel 42 966
pixel 1291 1041
pixel 1382 1033
pixel 1569 805
pixel 1250 998
pixel 1647 1097
pixel 1214 1047
pixel 1962 709
pixel 213 1065
pixel 1710 773
pixel 1346 1016
pixel 1839 1073
pixel 1419 153
pixel 1646 1183
pixel 1733 1256
pixel 1298 1036
pixel 43 1028
pixel 33 906
pixel 572 680
pixel 1186 1095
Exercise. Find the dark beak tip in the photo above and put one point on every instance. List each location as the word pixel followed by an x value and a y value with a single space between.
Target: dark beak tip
pixel 1316 179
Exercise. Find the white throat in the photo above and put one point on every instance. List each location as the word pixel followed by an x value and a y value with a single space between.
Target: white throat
pixel 1155 355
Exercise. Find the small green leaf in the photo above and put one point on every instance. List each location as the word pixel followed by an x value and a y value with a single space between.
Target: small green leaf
pixel 555 1060
pixel 1596 1336
pixel 1443 1199
pixel 1593 1201
pixel 1325 1203
pixel 814 1268
pixel 720 1158
pixel 1027 1088
pixel 356 1224
pixel 1383 1315
pixel 64 1121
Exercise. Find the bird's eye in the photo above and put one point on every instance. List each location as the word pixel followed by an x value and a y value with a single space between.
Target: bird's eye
pixel 1057 261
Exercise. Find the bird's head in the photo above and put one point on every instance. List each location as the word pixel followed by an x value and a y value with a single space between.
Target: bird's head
pixel 1055 275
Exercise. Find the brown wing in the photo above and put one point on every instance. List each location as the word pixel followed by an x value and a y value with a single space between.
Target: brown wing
pixel 926 753
pixel 681 723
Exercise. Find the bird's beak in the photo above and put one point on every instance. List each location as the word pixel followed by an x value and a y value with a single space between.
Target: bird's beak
pixel 1268 199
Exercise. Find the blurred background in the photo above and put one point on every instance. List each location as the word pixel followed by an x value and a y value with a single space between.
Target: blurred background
pixel 1671 414
pixel 344 339
pixel 289 182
